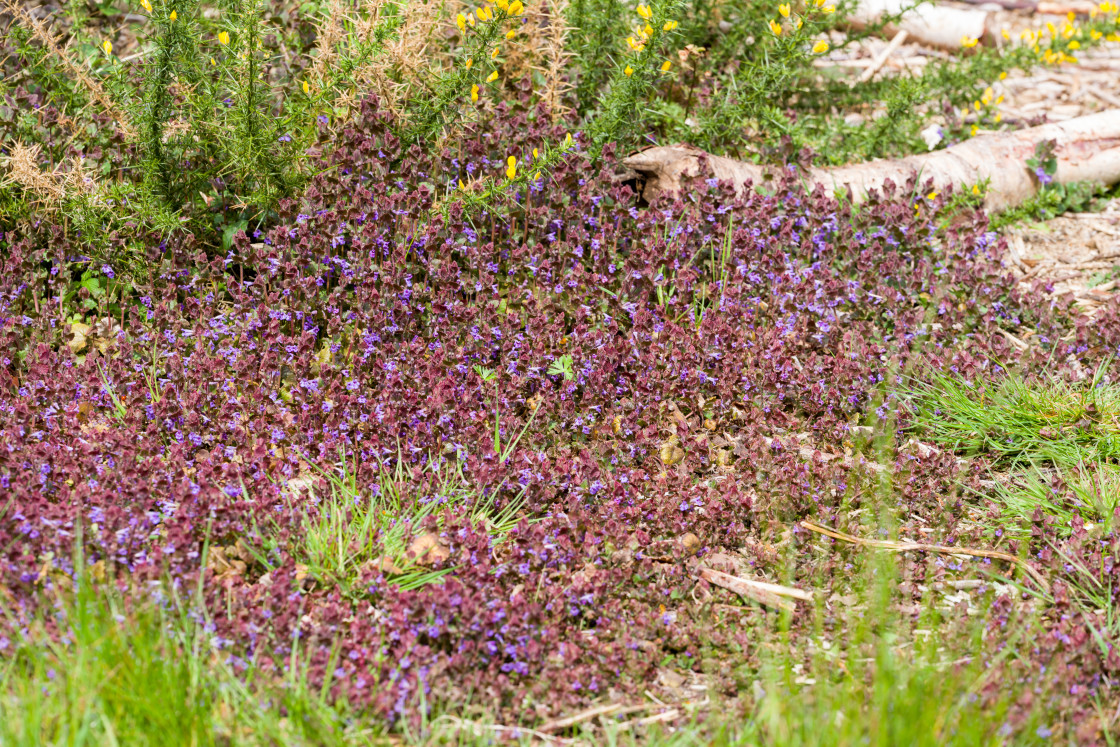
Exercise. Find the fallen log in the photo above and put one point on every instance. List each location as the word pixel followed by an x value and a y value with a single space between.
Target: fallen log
pixel 946 26
pixel 1087 149
pixel 933 25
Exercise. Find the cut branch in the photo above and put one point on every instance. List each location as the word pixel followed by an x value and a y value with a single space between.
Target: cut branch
pixel 1087 149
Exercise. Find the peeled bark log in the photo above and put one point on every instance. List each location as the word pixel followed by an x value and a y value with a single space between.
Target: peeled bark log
pixel 933 25
pixel 1087 149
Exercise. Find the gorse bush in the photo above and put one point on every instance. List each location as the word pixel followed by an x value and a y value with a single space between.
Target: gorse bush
pixel 206 124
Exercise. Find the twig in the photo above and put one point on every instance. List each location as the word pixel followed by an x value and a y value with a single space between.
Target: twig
pixel 892 546
pixel 590 713
pixel 656 718
pixel 881 60
pixel 478 729
pixel 770 595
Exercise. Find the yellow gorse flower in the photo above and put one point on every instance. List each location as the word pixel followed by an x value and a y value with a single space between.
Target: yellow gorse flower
pixel 968 42
pixel 483 13
pixel 628 71
pixel 645 12
pixel 306 87
pixel 636 45
pixel 511 167
pixel 494 54
pixel 470 63
pixel 666 65
pixel 784 10
pixel 669 25
pixel 492 77
pixel 775 27
pixel 462 187
pixel 516 8
pixel 536 155
pixel 511 33
pixel 828 9
pixel 461 22
pixel 173 17
pixel 146 5
pixel 820 47
pixel 975 189
pixel 107 46
pixel 503 4
pixel 474 93
pixel 223 37
pixel 932 195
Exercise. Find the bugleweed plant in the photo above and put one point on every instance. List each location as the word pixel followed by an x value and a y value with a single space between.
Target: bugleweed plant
pixel 654 372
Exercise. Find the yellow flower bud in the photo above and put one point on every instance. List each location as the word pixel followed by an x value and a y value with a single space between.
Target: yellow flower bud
pixel 173 17
pixel 516 8
pixel 628 71
pixel 474 93
pixel 223 37
pixel 665 66
pixel 470 63
pixel 669 25
pixel 975 189
pixel 107 46
pixel 828 9
pixel 306 87
pixel 492 77
pixel 511 167
pixel 645 12
pixel 784 10
pixel 820 47
pixel 494 54
pixel 462 187
pixel 146 5
pixel 775 28
pixel 968 42
pixel 511 33
pixel 461 22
